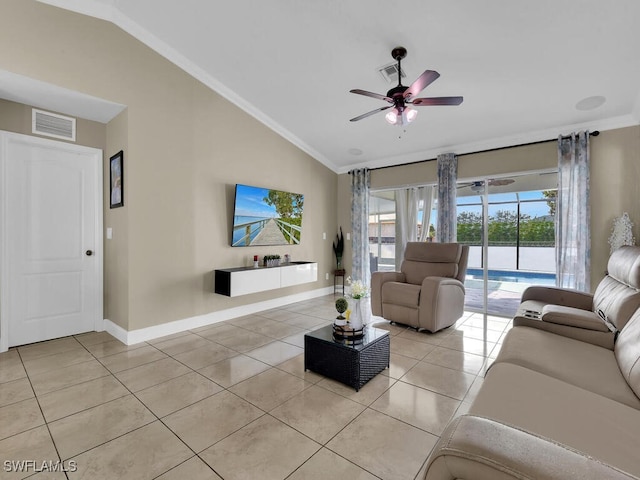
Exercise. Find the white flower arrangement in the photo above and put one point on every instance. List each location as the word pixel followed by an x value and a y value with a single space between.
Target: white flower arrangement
pixel 621 233
pixel 358 289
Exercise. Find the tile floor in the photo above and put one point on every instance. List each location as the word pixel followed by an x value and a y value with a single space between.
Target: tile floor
pixel 232 401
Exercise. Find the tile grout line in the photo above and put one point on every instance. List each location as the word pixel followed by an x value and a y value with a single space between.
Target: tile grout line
pixel 44 419
pixel 479 374
pixel 138 428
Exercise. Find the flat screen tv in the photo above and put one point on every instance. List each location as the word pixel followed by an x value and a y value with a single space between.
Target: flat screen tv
pixel 263 216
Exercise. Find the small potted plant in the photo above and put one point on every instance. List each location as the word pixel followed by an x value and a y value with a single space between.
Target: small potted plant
pixel 271 260
pixel 341 306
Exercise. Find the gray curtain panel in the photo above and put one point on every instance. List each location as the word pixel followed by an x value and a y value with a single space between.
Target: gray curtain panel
pixel 360 185
pixel 426 195
pixel 447 196
pixel 406 220
pixel 573 236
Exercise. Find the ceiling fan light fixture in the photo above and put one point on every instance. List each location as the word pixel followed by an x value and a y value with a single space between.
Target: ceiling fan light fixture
pixel 410 114
pixel 392 117
pixel 403 117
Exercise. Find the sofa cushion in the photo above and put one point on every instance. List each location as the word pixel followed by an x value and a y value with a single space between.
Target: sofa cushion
pixel 404 294
pixel 416 272
pixel 573 317
pixel 581 364
pixel 594 337
pixel 402 314
pixel 558 296
pixel 438 260
pixel 598 426
pixel 436 253
pixel 463 452
pixel 616 301
pixel 624 266
pixel 627 351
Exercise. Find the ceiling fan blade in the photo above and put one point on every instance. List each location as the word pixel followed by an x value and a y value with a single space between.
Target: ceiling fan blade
pixel 422 82
pixel 437 101
pixel 500 182
pixel 372 112
pixel 371 94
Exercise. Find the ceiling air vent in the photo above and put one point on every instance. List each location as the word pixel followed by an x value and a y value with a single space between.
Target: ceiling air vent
pixel 390 72
pixel 53 125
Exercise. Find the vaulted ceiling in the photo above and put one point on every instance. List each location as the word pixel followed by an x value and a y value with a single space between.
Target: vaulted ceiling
pixel 522 67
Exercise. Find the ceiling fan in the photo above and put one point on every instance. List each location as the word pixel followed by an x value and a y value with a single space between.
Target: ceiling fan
pixel 478 186
pixel 401 98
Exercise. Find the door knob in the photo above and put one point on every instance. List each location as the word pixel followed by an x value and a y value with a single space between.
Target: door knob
pixel 89 253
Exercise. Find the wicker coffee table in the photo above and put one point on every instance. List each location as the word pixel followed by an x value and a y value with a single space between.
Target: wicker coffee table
pixel 353 364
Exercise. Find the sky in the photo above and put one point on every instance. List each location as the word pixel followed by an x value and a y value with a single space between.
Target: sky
pixel 250 202
pixel 535 209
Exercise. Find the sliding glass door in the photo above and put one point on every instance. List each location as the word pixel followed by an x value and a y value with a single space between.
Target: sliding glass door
pixel 509 225
pixel 382 231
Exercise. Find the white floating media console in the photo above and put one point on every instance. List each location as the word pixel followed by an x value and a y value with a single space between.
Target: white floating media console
pixel 233 282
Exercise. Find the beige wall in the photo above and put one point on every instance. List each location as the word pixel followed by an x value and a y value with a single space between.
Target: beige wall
pixel 344 218
pixel 185 148
pixel 541 156
pixel 615 176
pixel 405 175
pixel 16 117
pixel 116 249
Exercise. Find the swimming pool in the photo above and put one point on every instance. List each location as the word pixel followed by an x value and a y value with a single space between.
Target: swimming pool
pixel 516 276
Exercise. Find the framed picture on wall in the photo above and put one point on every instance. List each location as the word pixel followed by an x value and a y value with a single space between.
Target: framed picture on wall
pixel 116 180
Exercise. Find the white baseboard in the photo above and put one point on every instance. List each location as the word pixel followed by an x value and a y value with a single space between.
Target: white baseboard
pixel 144 334
pixel 115 331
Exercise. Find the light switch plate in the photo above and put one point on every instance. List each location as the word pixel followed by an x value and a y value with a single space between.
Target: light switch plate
pixel 348 236
pixel 109 233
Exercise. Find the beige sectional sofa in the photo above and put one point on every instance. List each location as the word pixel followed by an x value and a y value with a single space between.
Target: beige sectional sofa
pixel 593 318
pixel 550 407
pixel 556 404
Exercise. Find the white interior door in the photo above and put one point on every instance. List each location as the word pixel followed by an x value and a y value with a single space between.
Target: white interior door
pixel 51 277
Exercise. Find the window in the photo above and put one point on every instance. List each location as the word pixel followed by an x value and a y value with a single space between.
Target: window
pixel 382 231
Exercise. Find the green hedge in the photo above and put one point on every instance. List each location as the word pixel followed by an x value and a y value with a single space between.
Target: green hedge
pixel 503 230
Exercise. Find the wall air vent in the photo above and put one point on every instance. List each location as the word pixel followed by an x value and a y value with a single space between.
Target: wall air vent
pixel 390 72
pixel 53 125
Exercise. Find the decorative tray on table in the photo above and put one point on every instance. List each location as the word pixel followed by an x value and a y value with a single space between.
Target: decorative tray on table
pixel 345 332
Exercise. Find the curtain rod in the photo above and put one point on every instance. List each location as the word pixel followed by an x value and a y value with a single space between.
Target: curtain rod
pixel 595 133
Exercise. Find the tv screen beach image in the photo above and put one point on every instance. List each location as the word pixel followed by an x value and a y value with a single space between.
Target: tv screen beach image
pixel 264 216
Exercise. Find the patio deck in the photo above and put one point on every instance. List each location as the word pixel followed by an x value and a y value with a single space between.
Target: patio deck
pixel 501 303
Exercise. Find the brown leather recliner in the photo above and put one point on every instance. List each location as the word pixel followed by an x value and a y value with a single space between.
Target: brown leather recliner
pixel 428 292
